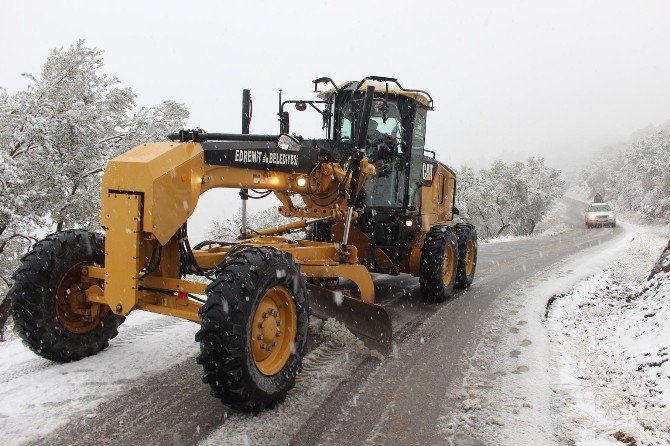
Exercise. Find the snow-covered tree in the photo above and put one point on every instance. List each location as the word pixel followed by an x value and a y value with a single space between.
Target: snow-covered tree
pixel 229 229
pixel 56 137
pixel 508 198
pixel 543 185
pixel 635 176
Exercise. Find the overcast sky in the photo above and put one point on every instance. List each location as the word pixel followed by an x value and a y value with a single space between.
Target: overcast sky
pixel 509 79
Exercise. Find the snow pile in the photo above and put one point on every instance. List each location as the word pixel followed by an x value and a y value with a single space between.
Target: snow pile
pixel 336 332
pixel 612 337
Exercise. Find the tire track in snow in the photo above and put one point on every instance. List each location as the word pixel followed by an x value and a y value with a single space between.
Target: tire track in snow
pixel 31 366
pixel 318 359
pixel 136 332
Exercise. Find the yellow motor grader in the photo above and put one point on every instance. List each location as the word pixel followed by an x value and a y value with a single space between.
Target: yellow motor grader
pixel 373 200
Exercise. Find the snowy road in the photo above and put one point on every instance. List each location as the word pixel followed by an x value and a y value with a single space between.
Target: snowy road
pixel 146 389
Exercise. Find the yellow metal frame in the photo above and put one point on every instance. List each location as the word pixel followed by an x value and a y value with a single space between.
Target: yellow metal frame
pixel 150 191
pixel 315 259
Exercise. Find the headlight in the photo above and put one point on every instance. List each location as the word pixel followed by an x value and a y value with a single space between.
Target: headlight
pixel 611 215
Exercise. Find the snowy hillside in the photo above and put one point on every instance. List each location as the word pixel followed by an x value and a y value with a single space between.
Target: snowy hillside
pixel 612 340
pixel 634 176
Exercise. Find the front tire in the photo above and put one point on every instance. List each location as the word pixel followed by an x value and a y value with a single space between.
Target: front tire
pixel 438 264
pixel 50 311
pixel 467 254
pixel 254 328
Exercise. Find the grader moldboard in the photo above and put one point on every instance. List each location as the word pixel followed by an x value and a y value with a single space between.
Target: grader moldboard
pixel 374 201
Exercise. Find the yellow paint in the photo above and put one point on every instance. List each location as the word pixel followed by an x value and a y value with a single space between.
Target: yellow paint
pixel 273 331
pixel 150 191
pixel 122 251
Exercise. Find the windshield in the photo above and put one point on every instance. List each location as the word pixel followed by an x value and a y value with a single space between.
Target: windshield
pixel 600 208
pixel 382 148
pixel 391 127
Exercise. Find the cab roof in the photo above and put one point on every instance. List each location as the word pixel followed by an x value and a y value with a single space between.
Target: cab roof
pixel 419 96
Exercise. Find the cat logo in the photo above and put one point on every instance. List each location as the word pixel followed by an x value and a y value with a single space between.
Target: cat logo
pixel 428 172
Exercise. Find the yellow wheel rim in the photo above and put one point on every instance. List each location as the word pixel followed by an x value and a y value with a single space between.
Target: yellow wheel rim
pixel 471 250
pixel 73 311
pixel 273 331
pixel 449 264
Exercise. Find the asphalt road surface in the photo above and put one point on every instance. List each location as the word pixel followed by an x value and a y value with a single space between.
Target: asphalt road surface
pixel 395 400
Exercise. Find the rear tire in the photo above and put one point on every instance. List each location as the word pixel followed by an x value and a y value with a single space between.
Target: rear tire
pixel 45 286
pixel 439 264
pixel 467 254
pixel 255 286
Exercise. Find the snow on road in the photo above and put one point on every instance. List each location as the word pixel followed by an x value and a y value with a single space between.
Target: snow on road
pixel 338 353
pixel 38 396
pixel 523 385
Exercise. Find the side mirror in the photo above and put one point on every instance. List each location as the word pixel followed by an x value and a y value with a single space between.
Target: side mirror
pixel 284 123
pixel 300 106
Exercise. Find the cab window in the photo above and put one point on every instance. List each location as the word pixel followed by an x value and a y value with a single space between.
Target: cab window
pixel 383 149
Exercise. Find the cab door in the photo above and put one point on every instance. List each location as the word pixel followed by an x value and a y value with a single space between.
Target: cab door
pixel 416 170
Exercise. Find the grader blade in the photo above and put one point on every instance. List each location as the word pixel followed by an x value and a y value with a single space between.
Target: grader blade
pixel 369 322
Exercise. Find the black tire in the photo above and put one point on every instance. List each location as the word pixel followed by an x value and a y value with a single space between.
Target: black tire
pixel 33 297
pixel 467 238
pixel 227 318
pixel 431 274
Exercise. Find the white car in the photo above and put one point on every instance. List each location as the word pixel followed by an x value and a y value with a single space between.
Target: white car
pixel 599 215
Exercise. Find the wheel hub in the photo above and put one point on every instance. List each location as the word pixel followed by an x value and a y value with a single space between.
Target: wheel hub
pixel 273 331
pixel 74 312
pixel 470 257
pixel 448 264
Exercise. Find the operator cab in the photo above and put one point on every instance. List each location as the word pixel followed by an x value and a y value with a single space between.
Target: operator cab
pixel 390 202
pixel 394 142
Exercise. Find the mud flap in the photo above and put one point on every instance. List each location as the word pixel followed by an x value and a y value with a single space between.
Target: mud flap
pixel 369 322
